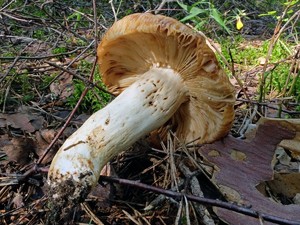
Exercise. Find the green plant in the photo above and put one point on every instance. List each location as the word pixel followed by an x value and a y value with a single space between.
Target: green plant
pixel 77 17
pixel 290 6
pixel 248 57
pixel 95 99
pixel 200 14
pixel 59 50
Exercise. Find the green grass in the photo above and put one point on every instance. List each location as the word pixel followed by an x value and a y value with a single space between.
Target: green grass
pixel 248 57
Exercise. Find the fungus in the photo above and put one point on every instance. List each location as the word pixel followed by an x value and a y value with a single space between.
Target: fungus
pixel 164 73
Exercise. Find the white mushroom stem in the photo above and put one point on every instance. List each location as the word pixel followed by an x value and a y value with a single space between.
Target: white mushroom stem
pixel 143 107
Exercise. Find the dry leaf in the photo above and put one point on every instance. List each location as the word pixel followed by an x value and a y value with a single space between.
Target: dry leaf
pixel 27 122
pixel 239 176
pixel 43 139
pixel 17 149
pixel 63 86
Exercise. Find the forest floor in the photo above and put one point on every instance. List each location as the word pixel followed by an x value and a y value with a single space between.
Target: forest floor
pixel 47 51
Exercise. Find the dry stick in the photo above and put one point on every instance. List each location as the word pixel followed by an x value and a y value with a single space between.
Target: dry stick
pixel 269 106
pixel 294 70
pixel 276 35
pixel 6 74
pixel 69 118
pixel 42 57
pixel 230 67
pixel 63 26
pixel 113 9
pixel 8 4
pixel 236 78
pixel 195 187
pixel 87 82
pixel 205 201
pixel 13 17
pixel 74 60
pixel 296 14
pixel 162 4
pixel 64 127
pixel 90 212
pixel 95 26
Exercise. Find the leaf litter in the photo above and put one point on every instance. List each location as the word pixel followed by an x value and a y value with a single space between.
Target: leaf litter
pixel 249 173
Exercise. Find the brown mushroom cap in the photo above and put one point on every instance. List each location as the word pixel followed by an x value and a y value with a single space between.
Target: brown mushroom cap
pixel 139 42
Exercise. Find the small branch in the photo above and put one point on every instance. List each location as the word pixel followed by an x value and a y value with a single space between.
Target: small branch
pixel 236 78
pixel 63 128
pixel 95 25
pixel 269 106
pixel 88 82
pixel 277 32
pixel 113 9
pixel 205 201
pixel 70 116
pixel 62 26
pixel 40 57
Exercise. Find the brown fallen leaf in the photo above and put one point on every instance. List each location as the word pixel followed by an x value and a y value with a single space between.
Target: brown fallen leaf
pixel 242 165
pixel 43 139
pixel 25 121
pixel 17 121
pixel 63 86
pixel 17 149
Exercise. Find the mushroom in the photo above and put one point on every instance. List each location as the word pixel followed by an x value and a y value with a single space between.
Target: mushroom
pixel 166 77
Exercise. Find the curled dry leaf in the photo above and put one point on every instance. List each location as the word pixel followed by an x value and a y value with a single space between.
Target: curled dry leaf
pixel 242 165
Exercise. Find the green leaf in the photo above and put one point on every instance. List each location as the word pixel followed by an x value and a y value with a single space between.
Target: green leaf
pixel 185 7
pixel 272 13
pixel 268 13
pixel 195 11
pixel 217 17
pixel 291 3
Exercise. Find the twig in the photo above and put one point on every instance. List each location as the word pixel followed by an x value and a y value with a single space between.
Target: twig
pixel 269 106
pixel 8 4
pixel 95 26
pixel 42 57
pixel 235 76
pixel 179 211
pixel 193 182
pixel 64 127
pixel 89 211
pixel 13 17
pixel 205 201
pixel 162 4
pixel 69 118
pixel 88 82
pixel 294 68
pixel 74 60
pixel 10 68
pixel 19 38
pixel 113 9
pixel 62 26
pixel 276 35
